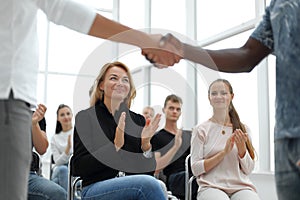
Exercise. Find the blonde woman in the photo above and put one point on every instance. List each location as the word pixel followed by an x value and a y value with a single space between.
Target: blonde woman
pixel 112 150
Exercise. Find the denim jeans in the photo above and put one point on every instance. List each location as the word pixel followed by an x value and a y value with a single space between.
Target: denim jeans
pixel 40 188
pixel 60 176
pixel 135 187
pixel 287 173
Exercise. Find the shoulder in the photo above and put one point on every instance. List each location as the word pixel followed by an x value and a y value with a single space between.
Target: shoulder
pixel 202 129
pixel 161 133
pixel 85 113
pixel 137 118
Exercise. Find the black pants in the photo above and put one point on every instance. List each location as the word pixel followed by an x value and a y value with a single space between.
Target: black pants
pixel 176 184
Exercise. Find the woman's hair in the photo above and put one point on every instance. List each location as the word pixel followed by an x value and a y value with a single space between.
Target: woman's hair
pixel 234 117
pixel 97 94
pixel 58 127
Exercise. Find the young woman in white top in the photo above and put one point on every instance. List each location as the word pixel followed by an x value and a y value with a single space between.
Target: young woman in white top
pixel 61 145
pixel 222 156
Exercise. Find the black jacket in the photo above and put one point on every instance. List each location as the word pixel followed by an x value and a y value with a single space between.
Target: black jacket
pixel 95 157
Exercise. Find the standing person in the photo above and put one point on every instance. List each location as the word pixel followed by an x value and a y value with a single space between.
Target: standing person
pixel 19 67
pixel 61 145
pixel 172 146
pixel 112 144
pixel 222 156
pixel 148 112
pixel 277 33
pixel 38 186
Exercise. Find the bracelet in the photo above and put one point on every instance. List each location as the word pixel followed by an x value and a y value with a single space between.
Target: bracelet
pixel 148 153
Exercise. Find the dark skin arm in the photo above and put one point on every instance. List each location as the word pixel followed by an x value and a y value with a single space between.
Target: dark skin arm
pixel 235 60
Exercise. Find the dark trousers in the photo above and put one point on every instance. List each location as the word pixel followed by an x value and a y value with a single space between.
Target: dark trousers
pixel 176 184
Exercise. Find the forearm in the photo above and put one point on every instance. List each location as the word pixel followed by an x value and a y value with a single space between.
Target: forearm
pixel 213 161
pixel 39 139
pixel 242 59
pixel 146 145
pixel 163 161
pixel 114 31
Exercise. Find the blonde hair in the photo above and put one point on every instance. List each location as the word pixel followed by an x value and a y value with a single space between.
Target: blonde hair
pixel 97 94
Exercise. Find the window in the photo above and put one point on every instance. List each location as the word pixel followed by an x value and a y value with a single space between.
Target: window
pixel 214 24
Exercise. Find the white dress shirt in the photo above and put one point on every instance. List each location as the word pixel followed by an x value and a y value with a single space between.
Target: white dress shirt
pixel 19 42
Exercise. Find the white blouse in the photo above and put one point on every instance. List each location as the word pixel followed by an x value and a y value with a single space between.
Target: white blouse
pixel 231 174
pixel 58 146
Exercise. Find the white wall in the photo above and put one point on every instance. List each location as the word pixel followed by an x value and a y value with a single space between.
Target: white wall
pixel 265 185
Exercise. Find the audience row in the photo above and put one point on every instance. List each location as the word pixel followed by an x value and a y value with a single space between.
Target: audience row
pixel 117 152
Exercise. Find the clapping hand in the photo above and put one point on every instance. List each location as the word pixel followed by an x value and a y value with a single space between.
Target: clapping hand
pixel 148 131
pixel 119 137
pixel 240 141
pixel 178 139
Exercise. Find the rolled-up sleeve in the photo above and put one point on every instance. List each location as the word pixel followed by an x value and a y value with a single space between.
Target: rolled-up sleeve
pixel 247 163
pixel 264 33
pixel 68 13
pixel 197 154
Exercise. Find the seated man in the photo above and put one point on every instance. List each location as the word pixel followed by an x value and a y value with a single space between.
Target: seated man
pixel 38 186
pixel 172 146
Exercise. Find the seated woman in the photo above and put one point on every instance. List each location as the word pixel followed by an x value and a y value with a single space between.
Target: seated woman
pixel 222 156
pixel 112 150
pixel 61 145
pixel 38 186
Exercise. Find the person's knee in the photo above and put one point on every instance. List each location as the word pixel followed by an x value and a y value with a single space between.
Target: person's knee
pixel 57 193
pixel 149 182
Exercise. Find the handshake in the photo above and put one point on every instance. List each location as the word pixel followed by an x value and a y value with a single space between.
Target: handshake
pixel 167 51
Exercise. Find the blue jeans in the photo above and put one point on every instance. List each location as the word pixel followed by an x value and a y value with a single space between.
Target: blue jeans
pixel 287 173
pixel 135 187
pixel 40 188
pixel 15 148
pixel 60 176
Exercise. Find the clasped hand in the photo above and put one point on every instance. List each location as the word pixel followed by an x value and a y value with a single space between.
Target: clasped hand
pixel 169 51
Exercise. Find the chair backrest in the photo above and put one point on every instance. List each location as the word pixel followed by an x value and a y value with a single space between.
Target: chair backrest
pixel 74 182
pixel 189 178
pixel 52 164
pixel 36 164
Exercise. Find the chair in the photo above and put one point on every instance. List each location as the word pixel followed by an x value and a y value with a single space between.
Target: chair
pixel 52 164
pixel 36 164
pixel 74 183
pixel 189 178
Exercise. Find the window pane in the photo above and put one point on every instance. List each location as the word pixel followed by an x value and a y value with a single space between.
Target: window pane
pixel 41 88
pixel 69 49
pixel 133 18
pixel 272 94
pixel 132 58
pixel 103 4
pixel 168 15
pixel 215 16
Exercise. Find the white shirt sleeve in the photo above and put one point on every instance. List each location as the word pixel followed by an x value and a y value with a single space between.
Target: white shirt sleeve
pixel 68 13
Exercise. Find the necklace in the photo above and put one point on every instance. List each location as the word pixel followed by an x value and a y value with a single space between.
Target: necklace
pixel 223 124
